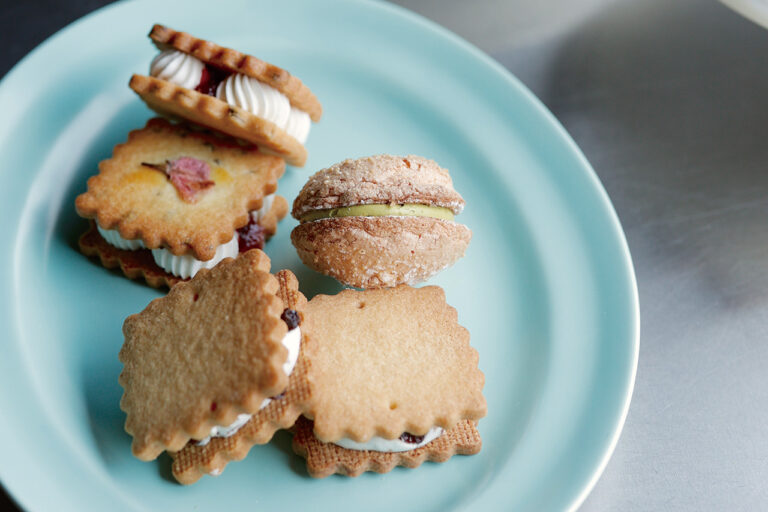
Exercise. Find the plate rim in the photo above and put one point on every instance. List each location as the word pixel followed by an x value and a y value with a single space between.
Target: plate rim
pixel 27 61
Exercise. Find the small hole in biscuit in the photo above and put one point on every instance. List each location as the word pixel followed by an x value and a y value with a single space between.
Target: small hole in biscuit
pixel 392 406
pixel 194 299
pixel 361 305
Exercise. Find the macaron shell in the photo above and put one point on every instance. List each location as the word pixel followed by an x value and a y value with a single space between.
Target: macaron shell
pixel 379 252
pixel 379 179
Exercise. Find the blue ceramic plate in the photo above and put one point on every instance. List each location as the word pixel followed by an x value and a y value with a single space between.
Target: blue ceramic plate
pixel 546 289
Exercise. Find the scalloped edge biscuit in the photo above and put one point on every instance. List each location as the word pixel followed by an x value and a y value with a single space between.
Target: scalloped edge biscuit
pixel 378 179
pixel 236 62
pixel 139 264
pixel 209 350
pixel 389 361
pixel 177 102
pixel 141 203
pixel 377 252
pixel 325 459
pixel 193 461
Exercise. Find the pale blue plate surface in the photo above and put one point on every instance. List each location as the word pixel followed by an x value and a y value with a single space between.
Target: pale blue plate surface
pixel 546 289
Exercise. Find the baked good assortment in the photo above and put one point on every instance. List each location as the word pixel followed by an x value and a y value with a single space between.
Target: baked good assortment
pixel 177 198
pixel 226 359
pixel 228 91
pixel 379 221
pixel 234 353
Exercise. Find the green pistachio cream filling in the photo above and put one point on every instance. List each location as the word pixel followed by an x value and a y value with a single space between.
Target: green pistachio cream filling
pixel 380 210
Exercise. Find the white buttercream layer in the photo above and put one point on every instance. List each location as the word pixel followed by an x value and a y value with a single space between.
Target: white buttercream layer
pixel 186 266
pixel 266 102
pixel 177 67
pixel 292 342
pixel 379 444
pixel 113 238
pixel 266 205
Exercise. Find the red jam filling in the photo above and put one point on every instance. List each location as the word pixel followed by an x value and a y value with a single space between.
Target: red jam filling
pixel 210 79
pixel 410 438
pixel 251 236
pixel 291 318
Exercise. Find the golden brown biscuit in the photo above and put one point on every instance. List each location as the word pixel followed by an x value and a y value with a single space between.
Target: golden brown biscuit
pixel 194 461
pixel 384 362
pixel 325 459
pixel 235 62
pixel 379 221
pixel 200 105
pixel 176 102
pixel 141 202
pixel 209 350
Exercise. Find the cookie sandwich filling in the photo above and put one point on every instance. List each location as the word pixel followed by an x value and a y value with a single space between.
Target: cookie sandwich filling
pixel 380 210
pixel 406 442
pixel 235 89
pixel 251 236
pixel 292 342
pixel 192 178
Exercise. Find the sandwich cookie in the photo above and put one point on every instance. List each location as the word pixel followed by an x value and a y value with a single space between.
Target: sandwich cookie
pixel 379 221
pixel 393 381
pixel 229 91
pixel 210 455
pixel 172 201
pixel 196 359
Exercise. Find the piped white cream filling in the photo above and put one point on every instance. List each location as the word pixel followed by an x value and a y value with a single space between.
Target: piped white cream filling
pixel 264 101
pixel 177 67
pixel 239 90
pixel 186 266
pixel 113 238
pixel 266 205
pixel 379 444
pixel 292 342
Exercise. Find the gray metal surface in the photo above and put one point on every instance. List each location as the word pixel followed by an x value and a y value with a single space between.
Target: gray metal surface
pixel 669 102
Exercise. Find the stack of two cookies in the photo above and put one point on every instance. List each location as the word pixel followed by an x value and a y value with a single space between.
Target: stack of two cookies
pixel 382 223
pixel 366 380
pixel 180 197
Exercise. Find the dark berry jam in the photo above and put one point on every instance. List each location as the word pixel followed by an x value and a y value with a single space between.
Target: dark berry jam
pixel 250 236
pixel 210 80
pixel 291 318
pixel 410 438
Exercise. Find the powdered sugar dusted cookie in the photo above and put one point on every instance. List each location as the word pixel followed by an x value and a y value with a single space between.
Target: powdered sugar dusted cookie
pixel 188 197
pixel 379 221
pixel 210 350
pixel 212 454
pixel 325 459
pixel 229 91
pixel 389 367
